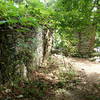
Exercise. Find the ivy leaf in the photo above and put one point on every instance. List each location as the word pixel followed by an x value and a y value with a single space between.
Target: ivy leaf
pixel 3 22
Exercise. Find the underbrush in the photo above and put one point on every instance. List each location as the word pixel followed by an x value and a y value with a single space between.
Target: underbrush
pixel 21 90
pixel 42 88
pixel 69 85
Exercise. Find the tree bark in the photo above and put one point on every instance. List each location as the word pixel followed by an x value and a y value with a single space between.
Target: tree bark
pixel 19 61
pixel 47 44
pixel 86 41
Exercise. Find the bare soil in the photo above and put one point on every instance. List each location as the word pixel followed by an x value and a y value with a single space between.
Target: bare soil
pixel 86 83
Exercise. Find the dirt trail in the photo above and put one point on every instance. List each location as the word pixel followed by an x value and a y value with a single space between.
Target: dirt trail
pixel 86 65
pixel 79 64
pixel 89 73
pixel 90 69
pixel 85 85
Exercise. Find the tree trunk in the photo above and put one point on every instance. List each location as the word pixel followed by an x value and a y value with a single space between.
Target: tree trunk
pixel 86 41
pixel 19 55
pixel 39 47
pixel 47 44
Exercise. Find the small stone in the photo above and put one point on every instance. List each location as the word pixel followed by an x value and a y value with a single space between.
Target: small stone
pixel 20 96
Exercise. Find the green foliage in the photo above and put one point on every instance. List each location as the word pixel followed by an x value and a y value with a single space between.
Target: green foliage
pixel 66 44
pixel 66 17
pixel 28 14
pixel 74 16
pixel 16 37
pixel 18 23
pixel 97 42
pixel 69 75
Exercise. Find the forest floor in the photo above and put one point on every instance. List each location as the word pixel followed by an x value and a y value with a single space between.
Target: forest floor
pixel 81 77
pixel 62 78
pixel 80 64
